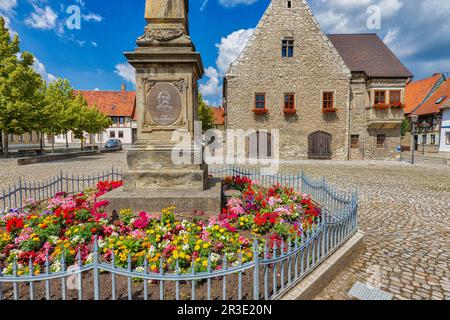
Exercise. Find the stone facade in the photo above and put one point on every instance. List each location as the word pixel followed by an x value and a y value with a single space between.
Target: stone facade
pixel 315 67
pixel 262 69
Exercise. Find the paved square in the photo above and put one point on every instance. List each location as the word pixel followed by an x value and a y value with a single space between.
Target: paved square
pixel 404 212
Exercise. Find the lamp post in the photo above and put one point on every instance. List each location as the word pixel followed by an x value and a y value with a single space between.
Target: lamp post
pixel 414 120
pixel 426 126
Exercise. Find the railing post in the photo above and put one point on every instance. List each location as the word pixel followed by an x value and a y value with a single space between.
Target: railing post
pixel 96 271
pixel 1 284
pixel 20 193
pixel 256 270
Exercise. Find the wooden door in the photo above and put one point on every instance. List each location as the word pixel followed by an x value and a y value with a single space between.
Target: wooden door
pixel 319 145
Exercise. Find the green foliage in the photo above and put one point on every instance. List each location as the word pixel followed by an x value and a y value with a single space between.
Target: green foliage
pixel 205 114
pixel 19 86
pixel 406 127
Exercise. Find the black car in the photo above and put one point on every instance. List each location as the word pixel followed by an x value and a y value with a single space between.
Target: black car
pixel 113 144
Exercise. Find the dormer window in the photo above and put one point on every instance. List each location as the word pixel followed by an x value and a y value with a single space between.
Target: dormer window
pixel 289 4
pixel 441 99
pixel 287 48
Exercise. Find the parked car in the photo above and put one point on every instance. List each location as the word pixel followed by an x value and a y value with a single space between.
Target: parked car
pixel 113 144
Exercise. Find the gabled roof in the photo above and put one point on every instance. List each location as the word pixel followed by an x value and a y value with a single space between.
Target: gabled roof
pixel 367 53
pixel 219 116
pixel 111 103
pixel 418 91
pixel 441 95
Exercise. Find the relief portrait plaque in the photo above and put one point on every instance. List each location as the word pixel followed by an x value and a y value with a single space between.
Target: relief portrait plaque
pixel 164 103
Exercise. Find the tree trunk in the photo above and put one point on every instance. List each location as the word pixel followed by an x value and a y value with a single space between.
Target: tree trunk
pixel 67 140
pixel 5 143
pixel 41 140
pixel 53 143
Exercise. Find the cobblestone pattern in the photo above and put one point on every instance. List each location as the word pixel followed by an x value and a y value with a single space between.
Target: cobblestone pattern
pixel 10 172
pixel 404 212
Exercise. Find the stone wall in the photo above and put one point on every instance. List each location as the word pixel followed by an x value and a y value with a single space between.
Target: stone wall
pixel 315 67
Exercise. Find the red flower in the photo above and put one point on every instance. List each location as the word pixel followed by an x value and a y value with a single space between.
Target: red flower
pixel 14 224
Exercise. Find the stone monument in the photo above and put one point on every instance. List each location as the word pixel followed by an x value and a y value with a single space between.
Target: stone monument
pixel 167 70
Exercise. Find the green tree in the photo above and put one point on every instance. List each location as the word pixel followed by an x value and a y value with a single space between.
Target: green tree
pixel 406 126
pixel 19 85
pixel 205 114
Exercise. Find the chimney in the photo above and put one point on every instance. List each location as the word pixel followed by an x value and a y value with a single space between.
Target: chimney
pixel 124 87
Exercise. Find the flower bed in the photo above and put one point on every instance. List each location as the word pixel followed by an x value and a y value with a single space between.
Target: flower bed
pixel 66 225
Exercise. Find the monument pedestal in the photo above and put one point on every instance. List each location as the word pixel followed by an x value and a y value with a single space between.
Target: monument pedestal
pixel 162 172
pixel 185 201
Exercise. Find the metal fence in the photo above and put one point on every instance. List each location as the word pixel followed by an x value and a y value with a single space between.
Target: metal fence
pixel 16 195
pixel 270 273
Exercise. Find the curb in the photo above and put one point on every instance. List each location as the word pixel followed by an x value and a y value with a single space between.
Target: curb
pixel 316 281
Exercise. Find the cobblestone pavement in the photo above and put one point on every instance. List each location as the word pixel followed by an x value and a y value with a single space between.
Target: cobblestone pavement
pixel 404 212
pixel 10 172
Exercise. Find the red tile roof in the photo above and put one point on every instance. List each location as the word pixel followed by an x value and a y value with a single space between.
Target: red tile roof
pixel 368 53
pixel 219 116
pixel 430 106
pixel 111 103
pixel 417 91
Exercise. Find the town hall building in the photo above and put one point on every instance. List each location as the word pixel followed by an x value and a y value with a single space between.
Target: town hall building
pixel 335 97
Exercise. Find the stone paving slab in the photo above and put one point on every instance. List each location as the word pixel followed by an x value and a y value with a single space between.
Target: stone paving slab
pixel 404 213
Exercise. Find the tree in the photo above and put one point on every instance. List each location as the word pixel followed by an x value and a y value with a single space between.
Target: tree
pixel 406 126
pixel 58 99
pixel 19 85
pixel 205 114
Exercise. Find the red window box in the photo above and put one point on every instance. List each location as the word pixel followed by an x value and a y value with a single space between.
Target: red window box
pixel 289 111
pixel 398 105
pixel 329 110
pixel 260 111
pixel 381 106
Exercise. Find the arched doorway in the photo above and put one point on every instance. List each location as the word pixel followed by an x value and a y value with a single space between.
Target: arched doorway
pixel 319 145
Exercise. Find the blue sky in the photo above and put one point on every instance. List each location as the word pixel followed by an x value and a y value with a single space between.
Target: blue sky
pixel 418 31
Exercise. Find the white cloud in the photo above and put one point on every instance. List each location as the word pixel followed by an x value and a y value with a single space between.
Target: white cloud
pixel 233 3
pixel 7 5
pixel 126 71
pixel 40 68
pixel 231 47
pixel 212 86
pixel 42 18
pixel 92 17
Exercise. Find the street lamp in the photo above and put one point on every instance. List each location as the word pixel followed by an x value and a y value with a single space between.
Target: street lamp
pixel 414 120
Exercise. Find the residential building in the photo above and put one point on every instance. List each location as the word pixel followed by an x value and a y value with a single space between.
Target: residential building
pixel 430 116
pixel 120 107
pixel 444 145
pixel 331 97
pixel 219 118
pixel 417 93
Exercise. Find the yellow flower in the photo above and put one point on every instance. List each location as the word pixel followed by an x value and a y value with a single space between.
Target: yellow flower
pixel 153 267
pixel 222 230
pixel 216 227
pixel 206 246
pixel 66 245
pixel 197 247
pixel 205 263
pixel 72 252
pixel 68 233
pixel 182 255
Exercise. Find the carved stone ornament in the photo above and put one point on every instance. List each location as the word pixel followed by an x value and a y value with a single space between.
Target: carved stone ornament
pixel 164 104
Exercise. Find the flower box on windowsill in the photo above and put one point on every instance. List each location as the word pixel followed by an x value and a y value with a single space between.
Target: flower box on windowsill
pixel 381 106
pixel 329 110
pixel 289 111
pixel 397 105
pixel 260 111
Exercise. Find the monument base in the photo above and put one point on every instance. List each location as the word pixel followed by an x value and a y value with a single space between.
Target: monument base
pixel 185 201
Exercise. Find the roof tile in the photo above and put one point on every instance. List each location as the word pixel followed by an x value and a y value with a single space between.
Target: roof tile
pixel 111 103
pixel 367 53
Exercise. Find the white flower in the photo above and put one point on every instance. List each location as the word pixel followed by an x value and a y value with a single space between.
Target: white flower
pixel 53 240
pixel 152 251
pixel 90 258
pixel 56 266
pixel 214 257
pixel 185 247
pixel 140 269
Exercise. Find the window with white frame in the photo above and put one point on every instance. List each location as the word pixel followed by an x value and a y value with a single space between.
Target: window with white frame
pixel 447 138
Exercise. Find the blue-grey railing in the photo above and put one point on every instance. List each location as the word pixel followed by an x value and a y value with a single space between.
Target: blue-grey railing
pixel 16 195
pixel 270 274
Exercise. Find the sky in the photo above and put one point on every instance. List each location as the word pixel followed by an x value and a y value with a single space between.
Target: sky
pixel 90 53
